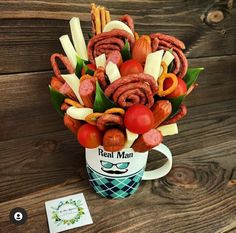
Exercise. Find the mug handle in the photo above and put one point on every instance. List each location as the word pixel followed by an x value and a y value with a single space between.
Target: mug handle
pixel 162 171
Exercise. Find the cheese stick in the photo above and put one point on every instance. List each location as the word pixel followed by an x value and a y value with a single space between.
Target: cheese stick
pixel 167 130
pixel 167 58
pixel 78 38
pixel 101 60
pixel 112 71
pixel 69 50
pixel 153 63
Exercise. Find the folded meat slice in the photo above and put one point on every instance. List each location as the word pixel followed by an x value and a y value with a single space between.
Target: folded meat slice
pixel 133 89
pixel 107 42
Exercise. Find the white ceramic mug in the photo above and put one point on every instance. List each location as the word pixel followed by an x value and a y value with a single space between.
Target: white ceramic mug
pixel 119 174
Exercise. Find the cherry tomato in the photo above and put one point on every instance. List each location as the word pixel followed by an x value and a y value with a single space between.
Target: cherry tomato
pixel 131 67
pixel 180 90
pixel 139 119
pixel 90 66
pixel 89 136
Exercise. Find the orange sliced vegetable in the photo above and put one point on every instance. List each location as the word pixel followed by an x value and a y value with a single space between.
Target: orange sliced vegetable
pixel 120 111
pixel 92 118
pixel 164 68
pixel 73 103
pixel 161 91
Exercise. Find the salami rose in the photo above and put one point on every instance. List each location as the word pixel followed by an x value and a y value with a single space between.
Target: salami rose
pixel 166 42
pixel 133 89
pixel 107 42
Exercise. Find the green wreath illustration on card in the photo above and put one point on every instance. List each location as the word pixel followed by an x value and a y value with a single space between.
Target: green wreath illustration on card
pixel 67 212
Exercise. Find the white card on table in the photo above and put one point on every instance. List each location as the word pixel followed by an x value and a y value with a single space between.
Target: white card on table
pixel 67 213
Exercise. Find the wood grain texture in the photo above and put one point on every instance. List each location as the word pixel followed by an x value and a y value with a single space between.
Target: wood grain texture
pixel 31 112
pixel 194 197
pixel 34 31
pixel 40 160
pixel 64 158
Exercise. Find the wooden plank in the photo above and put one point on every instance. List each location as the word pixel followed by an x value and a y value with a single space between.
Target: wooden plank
pixel 31 112
pixel 50 159
pixel 34 31
pixel 194 197
pixel 25 106
pixel 42 160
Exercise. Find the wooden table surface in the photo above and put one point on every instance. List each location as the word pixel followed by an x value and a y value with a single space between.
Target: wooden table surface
pixel 40 160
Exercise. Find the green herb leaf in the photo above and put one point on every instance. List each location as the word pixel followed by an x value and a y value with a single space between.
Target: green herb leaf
pixel 79 66
pixel 191 76
pixel 176 102
pixel 102 103
pixel 125 52
pixel 88 71
pixel 57 99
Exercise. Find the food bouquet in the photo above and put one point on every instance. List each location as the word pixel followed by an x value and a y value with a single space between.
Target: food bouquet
pixel 122 91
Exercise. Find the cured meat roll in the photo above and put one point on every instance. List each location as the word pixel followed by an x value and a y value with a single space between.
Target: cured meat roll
pixel 165 42
pixel 133 89
pixel 128 20
pixel 107 42
pixel 87 92
pixel 147 141
pixel 108 119
pixel 65 62
pixel 99 75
